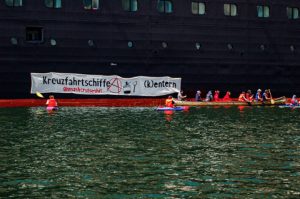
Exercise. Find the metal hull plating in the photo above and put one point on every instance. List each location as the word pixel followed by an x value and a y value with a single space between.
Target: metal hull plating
pixel 246 65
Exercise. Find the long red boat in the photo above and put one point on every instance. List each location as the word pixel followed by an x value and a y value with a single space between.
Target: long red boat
pixel 216 45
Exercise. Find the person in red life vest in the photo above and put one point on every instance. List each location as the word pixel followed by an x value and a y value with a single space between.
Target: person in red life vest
pixel 216 96
pixel 249 96
pixel 51 102
pixel 294 101
pixel 242 97
pixel 227 97
pixel 169 102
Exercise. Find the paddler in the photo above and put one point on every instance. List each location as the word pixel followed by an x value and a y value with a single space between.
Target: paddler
pixel 209 96
pixel 258 96
pixel 216 96
pixel 51 103
pixel 242 97
pixel 294 101
pixel 180 96
pixel 169 102
pixel 227 98
pixel 249 96
pixel 198 96
pixel 266 96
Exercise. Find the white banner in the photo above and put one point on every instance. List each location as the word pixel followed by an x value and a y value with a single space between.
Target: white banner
pixel 103 85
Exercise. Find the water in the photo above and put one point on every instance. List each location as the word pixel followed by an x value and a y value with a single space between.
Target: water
pixel 93 152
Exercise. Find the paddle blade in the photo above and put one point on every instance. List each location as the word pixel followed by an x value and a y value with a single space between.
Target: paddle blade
pixel 39 95
pixel 272 101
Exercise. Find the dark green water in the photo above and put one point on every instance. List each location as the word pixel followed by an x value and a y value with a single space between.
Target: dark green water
pixel 140 153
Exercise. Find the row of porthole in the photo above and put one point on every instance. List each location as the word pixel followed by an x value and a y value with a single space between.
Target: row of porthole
pixel 91 43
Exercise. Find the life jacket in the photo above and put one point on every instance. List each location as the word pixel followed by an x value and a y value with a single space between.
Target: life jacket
pixel 241 97
pixel 227 97
pixel 216 97
pixel 249 97
pixel 51 103
pixel 294 101
pixel 169 103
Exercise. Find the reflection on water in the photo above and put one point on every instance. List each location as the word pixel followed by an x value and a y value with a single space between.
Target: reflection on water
pixel 94 152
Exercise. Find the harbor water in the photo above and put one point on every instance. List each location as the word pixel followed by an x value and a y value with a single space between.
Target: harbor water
pixel 95 152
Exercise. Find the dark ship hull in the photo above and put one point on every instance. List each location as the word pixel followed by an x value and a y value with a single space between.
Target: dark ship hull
pixel 233 53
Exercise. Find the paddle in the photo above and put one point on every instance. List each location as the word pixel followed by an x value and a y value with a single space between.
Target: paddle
pixel 39 95
pixel 272 101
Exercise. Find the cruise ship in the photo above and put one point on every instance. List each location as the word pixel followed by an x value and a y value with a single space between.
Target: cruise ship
pixel 230 45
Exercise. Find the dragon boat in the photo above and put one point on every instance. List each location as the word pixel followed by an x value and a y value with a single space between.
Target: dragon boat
pixel 277 101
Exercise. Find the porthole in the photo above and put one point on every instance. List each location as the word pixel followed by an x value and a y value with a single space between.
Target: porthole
pixel 53 42
pixel 130 44
pixel 292 48
pixel 91 43
pixel 14 41
pixel 198 46
pixel 164 44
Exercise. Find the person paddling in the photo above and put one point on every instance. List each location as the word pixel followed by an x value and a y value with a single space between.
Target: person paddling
pixel 242 97
pixel 294 101
pixel 209 96
pixel 169 102
pixel 249 96
pixel 258 97
pixel 266 96
pixel 227 97
pixel 216 96
pixel 51 103
pixel 198 96
pixel 180 96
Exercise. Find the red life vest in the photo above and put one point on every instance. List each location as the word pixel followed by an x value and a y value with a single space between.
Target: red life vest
pixel 227 97
pixel 169 103
pixel 51 103
pixel 216 97
pixel 242 97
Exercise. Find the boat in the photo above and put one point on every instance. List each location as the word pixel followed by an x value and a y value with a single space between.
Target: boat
pixel 212 44
pixel 277 101
pixel 176 108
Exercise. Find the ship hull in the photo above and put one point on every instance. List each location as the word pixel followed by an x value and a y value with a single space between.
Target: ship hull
pixel 231 56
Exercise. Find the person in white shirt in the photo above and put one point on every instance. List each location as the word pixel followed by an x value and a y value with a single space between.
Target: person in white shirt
pixel 180 96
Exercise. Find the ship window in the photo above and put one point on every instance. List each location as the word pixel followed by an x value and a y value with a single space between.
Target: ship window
pixel 91 4
pixel 164 6
pixel 263 11
pixel 292 13
pixel 34 34
pixel 130 44
pixel 198 46
pixel 53 42
pixel 130 5
pixel 292 48
pixel 14 3
pixel 91 43
pixel 198 8
pixel 164 44
pixel 230 9
pixel 14 41
pixel 53 3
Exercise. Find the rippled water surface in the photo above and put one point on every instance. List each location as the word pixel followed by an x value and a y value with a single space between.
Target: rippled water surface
pixel 94 152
